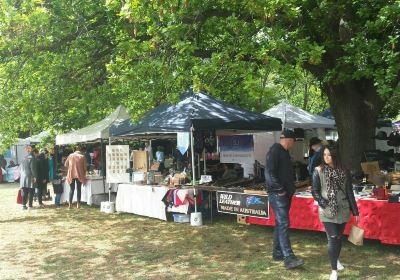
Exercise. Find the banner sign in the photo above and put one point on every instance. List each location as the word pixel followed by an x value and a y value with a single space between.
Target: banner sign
pixel 117 161
pixel 236 149
pixel 253 205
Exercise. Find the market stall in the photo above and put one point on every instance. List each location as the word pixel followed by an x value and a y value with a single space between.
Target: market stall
pixel 188 121
pixel 305 124
pixel 97 132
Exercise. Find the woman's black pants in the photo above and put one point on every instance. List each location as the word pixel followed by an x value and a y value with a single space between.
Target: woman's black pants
pixel 334 232
pixel 72 190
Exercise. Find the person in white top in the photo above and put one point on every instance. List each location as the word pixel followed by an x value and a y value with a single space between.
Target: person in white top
pixel 160 157
pixel 149 150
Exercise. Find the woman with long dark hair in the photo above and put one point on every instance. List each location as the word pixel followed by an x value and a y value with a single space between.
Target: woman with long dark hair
pixel 332 189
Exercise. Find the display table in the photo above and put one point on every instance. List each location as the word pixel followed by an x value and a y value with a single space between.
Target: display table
pixel 378 218
pixel 12 173
pixel 142 200
pixel 94 185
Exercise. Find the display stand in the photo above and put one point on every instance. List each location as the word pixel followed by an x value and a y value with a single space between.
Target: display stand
pixel 93 186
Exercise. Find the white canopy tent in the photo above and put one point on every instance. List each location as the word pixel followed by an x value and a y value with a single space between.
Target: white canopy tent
pixel 96 131
pixel 34 139
pixel 293 117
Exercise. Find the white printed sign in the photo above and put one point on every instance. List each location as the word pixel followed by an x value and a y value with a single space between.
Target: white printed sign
pixel 117 162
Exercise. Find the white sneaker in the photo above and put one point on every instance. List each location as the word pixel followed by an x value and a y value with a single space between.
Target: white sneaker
pixel 334 275
pixel 340 267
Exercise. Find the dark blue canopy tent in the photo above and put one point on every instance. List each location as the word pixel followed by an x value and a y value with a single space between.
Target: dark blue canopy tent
pixel 197 110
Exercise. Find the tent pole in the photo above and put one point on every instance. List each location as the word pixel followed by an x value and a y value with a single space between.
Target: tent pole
pixel 16 153
pixel 109 184
pixel 204 158
pixel 193 168
pixel 198 164
pixel 150 155
pixel 103 164
pixel 284 118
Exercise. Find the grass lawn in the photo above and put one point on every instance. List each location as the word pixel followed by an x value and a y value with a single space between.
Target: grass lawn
pixel 87 244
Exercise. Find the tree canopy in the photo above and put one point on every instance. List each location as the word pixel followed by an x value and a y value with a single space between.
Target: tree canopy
pixel 64 64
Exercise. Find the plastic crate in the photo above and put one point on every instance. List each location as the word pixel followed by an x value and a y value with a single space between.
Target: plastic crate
pixel 181 218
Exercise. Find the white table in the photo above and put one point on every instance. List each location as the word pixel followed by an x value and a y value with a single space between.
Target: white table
pixel 9 176
pixel 142 200
pixel 94 185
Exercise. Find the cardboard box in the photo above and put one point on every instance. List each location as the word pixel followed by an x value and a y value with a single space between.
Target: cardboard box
pixel 158 178
pixel 370 167
pixel 255 192
pixel 168 162
pixel 179 179
pixel 241 219
pixel 372 171
pixel 140 160
pixel 139 177
pixel 155 166
pixel 394 178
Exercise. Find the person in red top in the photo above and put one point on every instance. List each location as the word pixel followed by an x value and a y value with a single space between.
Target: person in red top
pixel 76 173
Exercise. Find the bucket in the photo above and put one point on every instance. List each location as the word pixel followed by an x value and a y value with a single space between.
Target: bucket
pixel 196 219
pixel 107 207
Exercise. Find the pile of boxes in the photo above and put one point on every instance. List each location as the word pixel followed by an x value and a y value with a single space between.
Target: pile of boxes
pixel 143 172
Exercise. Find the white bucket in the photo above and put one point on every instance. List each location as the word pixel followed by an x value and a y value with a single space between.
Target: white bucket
pixel 107 207
pixel 196 219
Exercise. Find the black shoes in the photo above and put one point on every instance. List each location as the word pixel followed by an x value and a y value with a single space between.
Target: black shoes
pixel 293 262
pixel 277 258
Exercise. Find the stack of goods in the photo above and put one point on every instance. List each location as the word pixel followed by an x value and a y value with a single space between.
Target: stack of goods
pixel 394 178
pixel 373 173
pixel 140 166
pixel 394 181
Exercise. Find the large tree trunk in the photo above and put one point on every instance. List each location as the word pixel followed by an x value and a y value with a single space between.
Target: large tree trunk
pixel 355 106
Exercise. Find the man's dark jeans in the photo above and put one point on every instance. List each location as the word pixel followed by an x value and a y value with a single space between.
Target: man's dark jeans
pixel 39 193
pixel 281 206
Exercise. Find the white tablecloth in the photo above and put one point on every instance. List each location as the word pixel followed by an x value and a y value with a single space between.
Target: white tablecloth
pixel 10 175
pixel 94 185
pixel 142 200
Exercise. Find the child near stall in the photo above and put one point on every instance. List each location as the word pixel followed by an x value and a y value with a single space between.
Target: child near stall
pixel 58 182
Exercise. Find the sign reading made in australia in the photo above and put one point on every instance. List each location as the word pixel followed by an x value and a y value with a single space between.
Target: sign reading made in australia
pixel 243 204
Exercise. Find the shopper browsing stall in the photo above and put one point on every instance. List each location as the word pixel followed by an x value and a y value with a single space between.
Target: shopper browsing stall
pixel 42 175
pixel 280 187
pixel 76 173
pixel 332 189
pixel 28 177
pixel 315 154
pixel 58 187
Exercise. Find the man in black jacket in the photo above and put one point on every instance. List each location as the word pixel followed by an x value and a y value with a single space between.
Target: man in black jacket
pixel 42 175
pixel 279 177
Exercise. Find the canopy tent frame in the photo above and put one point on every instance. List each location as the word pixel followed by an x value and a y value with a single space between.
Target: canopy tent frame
pixel 195 111
pixel 94 133
pixel 294 117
